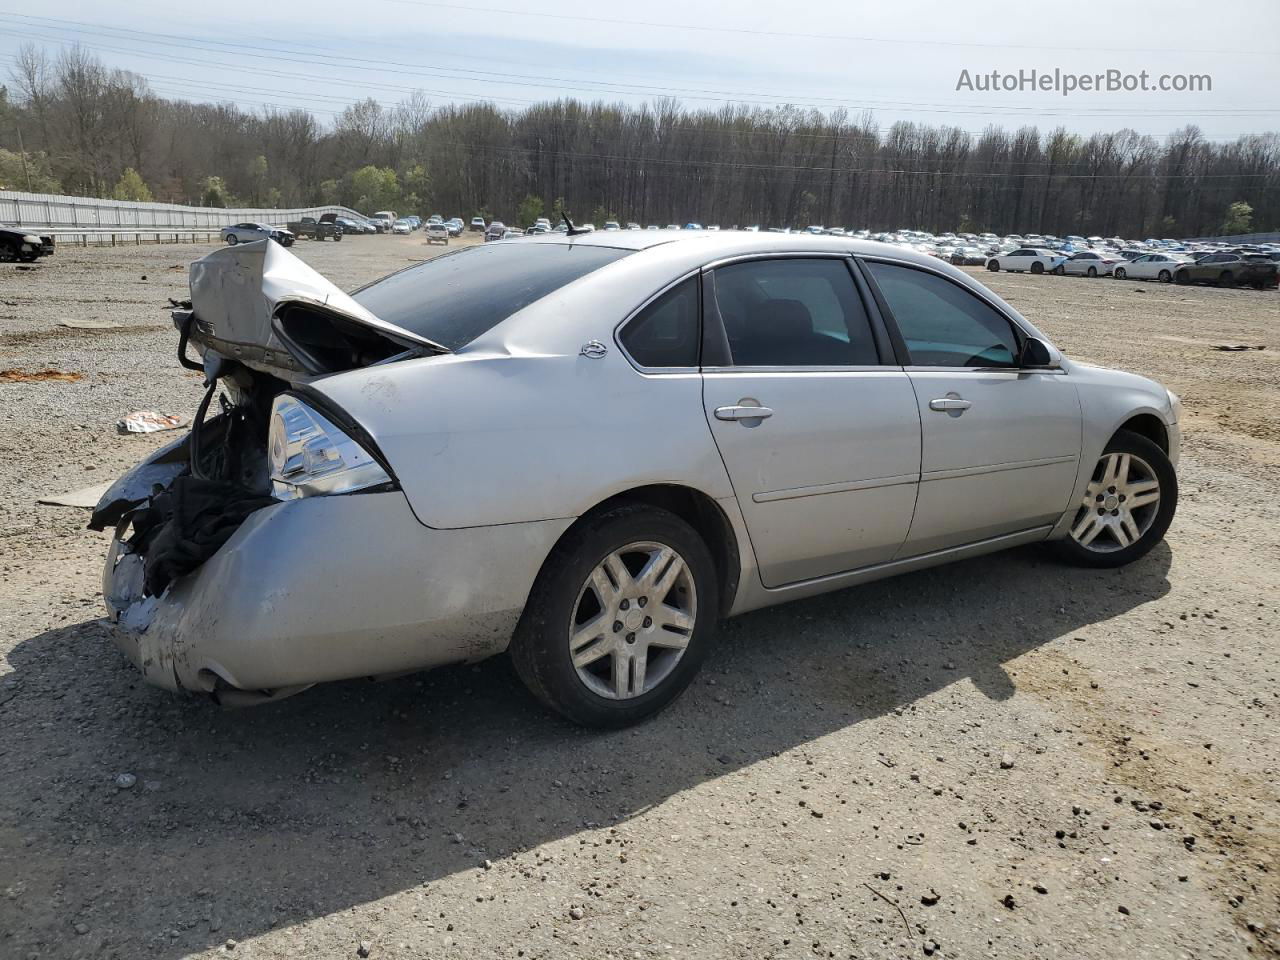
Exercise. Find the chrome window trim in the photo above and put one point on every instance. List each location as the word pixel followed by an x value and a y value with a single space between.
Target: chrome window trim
pixel 789 370
pixel 617 330
pixel 921 368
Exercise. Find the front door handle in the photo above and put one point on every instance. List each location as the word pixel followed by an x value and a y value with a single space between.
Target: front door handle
pixel 945 404
pixel 740 412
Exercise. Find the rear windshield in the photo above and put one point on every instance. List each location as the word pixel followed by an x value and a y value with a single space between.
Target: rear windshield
pixel 454 298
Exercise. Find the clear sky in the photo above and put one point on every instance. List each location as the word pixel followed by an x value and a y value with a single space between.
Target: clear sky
pixel 900 59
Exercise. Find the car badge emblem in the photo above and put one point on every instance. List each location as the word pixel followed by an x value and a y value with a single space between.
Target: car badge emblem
pixel 593 349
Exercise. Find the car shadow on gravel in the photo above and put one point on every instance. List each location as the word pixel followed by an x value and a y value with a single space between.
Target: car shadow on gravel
pixel 243 821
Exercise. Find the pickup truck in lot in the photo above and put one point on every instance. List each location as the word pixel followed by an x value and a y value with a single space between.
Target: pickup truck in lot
pixel 1230 270
pixel 313 229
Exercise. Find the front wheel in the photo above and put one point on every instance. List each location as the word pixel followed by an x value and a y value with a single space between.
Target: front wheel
pixel 1120 274
pixel 1127 506
pixel 1225 279
pixel 993 266
pixel 620 617
pixel 232 239
pixel 1164 276
pixel 1059 270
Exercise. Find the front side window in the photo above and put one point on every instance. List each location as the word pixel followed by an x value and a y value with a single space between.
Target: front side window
pixel 666 332
pixel 793 312
pixel 943 324
pixel 454 298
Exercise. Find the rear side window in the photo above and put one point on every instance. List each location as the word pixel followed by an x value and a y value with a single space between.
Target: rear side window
pixel 454 298
pixel 944 325
pixel 793 312
pixel 666 332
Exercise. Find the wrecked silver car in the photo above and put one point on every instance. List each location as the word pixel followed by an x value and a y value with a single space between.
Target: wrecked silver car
pixel 586 450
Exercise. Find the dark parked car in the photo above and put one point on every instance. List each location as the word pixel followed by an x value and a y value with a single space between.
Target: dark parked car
pixel 311 228
pixel 496 231
pixel 1229 270
pixel 19 244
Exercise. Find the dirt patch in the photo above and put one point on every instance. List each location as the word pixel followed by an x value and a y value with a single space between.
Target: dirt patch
pixel 39 376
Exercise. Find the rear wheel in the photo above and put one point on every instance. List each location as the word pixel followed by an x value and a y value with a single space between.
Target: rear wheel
pixel 620 618
pixel 8 253
pixel 232 239
pixel 1037 268
pixel 337 237
pixel 1127 506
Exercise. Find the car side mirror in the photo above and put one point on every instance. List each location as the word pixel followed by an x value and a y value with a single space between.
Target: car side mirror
pixel 1036 355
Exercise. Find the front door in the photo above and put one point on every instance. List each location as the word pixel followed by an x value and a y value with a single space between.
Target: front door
pixel 821 441
pixel 1000 445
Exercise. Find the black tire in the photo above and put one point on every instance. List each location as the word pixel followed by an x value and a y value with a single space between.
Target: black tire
pixel 1092 272
pixel 8 252
pixel 1119 274
pixel 1059 270
pixel 28 256
pixel 337 237
pixel 1139 446
pixel 993 266
pixel 540 648
pixel 1037 268
pixel 1165 277
pixel 232 239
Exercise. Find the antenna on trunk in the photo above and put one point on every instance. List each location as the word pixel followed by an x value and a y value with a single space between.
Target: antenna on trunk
pixel 573 231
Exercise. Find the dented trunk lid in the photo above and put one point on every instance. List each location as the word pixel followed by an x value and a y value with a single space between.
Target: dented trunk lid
pixel 240 295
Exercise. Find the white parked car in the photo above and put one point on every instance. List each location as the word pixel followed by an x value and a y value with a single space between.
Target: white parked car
pixel 1151 266
pixel 586 451
pixel 402 226
pixel 249 232
pixel 438 233
pixel 1088 263
pixel 1025 260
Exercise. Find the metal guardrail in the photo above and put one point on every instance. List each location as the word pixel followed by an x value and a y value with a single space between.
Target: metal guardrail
pixel 124 236
pixel 84 215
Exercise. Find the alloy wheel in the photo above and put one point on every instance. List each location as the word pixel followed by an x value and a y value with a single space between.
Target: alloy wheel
pixel 633 620
pixel 1119 505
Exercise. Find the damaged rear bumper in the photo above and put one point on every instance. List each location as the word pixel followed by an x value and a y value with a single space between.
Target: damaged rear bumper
pixel 327 588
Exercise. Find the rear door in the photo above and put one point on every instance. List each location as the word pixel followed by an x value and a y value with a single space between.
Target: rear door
pixel 1000 444
pixel 818 430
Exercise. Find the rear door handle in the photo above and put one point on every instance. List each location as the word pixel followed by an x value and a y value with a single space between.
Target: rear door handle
pixel 738 412
pixel 944 404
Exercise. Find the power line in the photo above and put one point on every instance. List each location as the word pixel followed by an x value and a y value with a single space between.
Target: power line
pixel 561 83
pixel 775 34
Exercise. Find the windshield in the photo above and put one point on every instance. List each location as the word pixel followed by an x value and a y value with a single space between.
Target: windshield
pixel 454 298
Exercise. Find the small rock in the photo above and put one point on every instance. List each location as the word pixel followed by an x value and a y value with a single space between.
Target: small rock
pixel 930 948
pixel 125 781
pixel 1123 909
pixel 1040 888
pixel 365 948
pixel 230 943
pixel 1006 762
pixel 816 813
pixel 1157 824
pixel 1009 902
pixel 488 864
pixel 931 898
pixel 81 929
pixel 576 913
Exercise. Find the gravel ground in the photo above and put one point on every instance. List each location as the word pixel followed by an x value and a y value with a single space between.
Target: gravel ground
pixel 1003 758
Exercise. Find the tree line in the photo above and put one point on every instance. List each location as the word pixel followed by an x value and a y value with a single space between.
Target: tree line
pixel 70 124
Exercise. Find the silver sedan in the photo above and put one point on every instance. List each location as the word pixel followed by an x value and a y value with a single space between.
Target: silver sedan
pixel 249 232
pixel 585 451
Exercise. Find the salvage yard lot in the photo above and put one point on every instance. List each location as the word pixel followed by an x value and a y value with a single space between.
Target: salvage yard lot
pixel 1030 760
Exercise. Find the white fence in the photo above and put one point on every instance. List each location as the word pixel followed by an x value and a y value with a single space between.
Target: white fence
pixel 89 215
